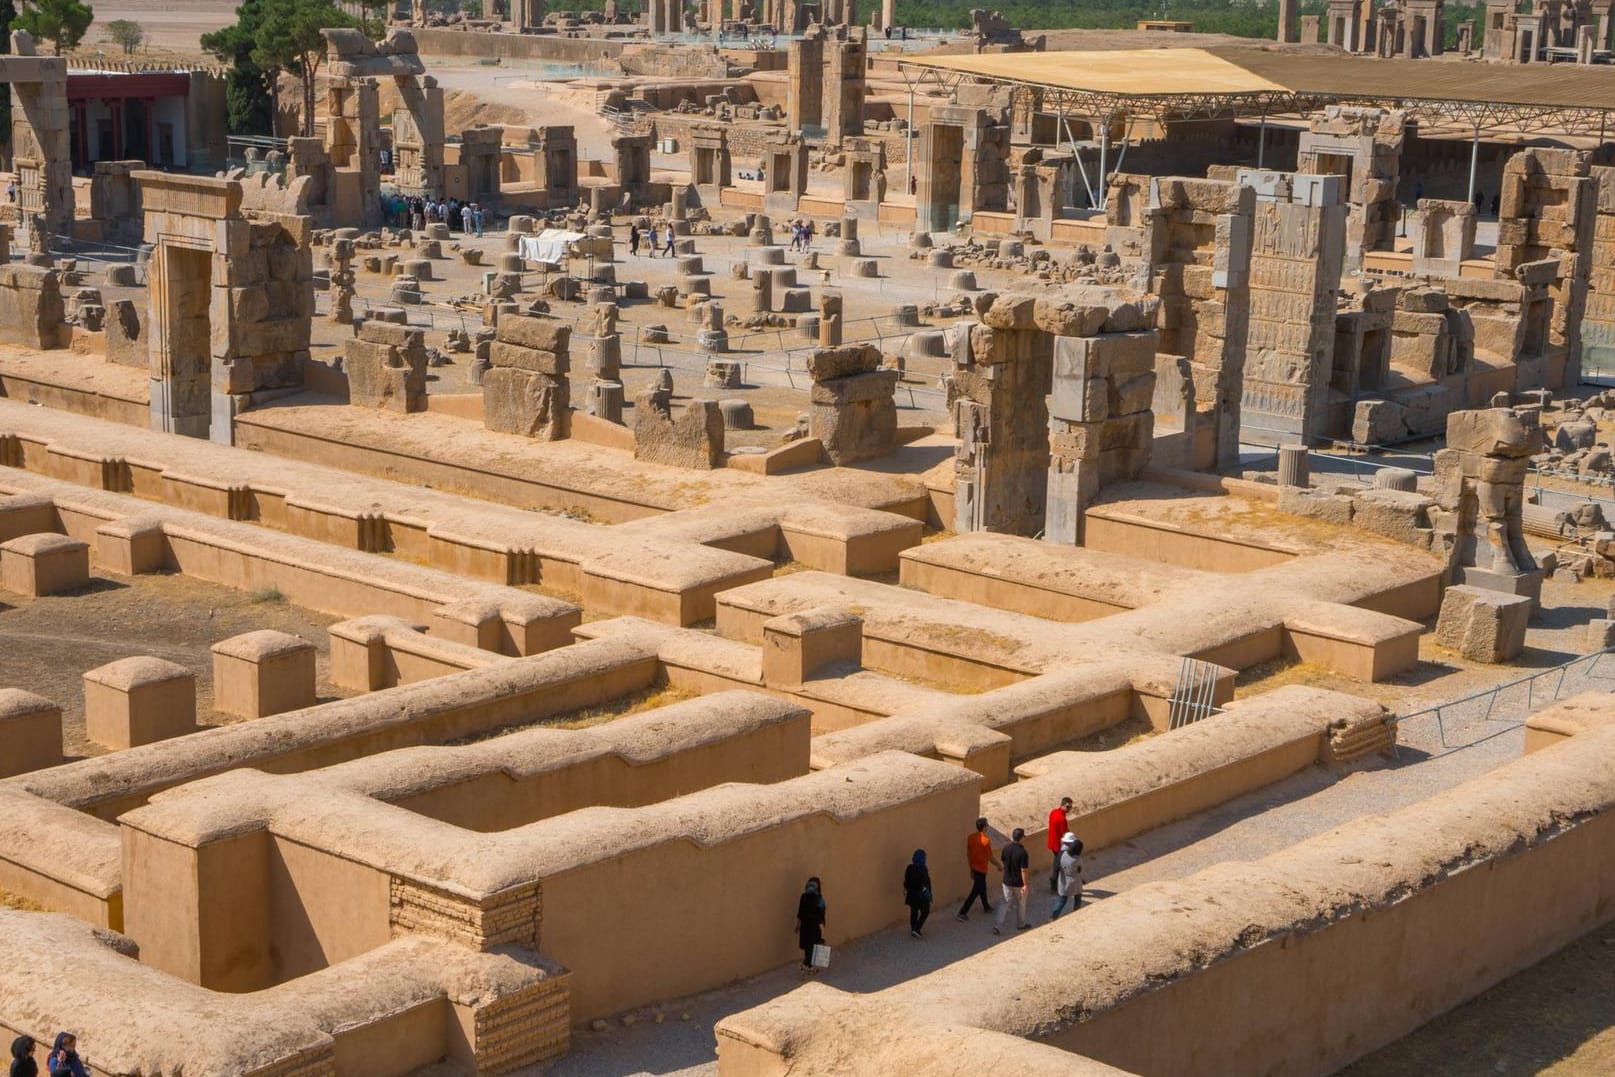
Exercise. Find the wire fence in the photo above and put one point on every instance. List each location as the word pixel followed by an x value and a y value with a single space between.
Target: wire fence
pixel 1360 467
pixel 1506 706
pixel 782 364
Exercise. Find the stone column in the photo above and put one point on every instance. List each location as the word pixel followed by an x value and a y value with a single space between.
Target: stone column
pixel 1288 28
pixel 762 294
pixel 848 245
pixel 1293 465
pixel 1298 239
pixel 829 320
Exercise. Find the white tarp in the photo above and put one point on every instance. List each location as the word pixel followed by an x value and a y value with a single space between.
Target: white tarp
pixel 551 245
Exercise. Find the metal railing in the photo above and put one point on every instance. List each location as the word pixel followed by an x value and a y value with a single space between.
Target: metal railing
pixel 1193 698
pixel 1517 698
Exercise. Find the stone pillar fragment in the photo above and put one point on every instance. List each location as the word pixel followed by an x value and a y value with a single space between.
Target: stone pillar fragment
pixel 525 390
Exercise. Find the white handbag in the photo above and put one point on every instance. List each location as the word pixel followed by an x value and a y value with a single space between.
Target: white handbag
pixel 821 956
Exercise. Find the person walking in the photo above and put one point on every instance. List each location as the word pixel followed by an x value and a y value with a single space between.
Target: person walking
pixel 633 239
pixel 1015 863
pixel 808 232
pixel 668 250
pixel 64 1057
pixel 810 917
pixel 650 234
pixel 1058 826
pixel 22 1057
pixel 917 894
pixel 979 855
pixel 1068 875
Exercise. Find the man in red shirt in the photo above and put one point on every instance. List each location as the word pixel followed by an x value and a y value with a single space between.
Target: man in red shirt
pixel 979 854
pixel 1058 826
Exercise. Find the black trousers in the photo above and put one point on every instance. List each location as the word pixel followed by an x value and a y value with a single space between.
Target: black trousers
pixel 917 915
pixel 978 889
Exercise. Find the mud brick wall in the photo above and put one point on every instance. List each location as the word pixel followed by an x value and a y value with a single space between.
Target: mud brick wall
pixel 511 918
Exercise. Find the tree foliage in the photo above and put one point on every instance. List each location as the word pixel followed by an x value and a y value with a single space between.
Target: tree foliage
pixel 248 105
pixel 126 34
pixel 61 22
pixel 289 40
pixel 267 38
pixel 8 14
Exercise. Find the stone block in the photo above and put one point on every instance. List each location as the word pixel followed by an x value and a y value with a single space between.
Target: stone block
pixel 855 418
pixel 799 646
pixel 138 701
pixel 824 364
pixel 722 374
pixel 692 439
pixel 546 334
pixel 1482 625
pixel 517 357
pixel 44 564
pixel 262 673
pixel 30 732
pixel 131 545
pixel 1379 422
pixel 525 402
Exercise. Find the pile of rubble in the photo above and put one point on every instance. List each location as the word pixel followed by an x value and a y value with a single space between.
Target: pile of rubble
pixel 1575 444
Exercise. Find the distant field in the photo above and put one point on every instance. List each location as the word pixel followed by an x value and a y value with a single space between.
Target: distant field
pixel 170 25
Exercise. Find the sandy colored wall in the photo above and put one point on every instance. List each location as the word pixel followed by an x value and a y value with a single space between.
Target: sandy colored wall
pixel 1129 790
pixel 630 937
pixel 455 706
pixel 116 394
pixel 323 910
pixel 1313 1003
pixel 253 433
pixel 503 800
pixel 1142 538
pixel 386 1014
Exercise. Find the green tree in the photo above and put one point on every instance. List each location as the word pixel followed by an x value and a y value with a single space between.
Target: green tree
pixel 61 22
pixel 289 40
pixel 8 15
pixel 125 33
pixel 248 101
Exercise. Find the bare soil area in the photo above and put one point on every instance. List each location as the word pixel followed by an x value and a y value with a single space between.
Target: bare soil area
pixel 46 644
pixel 172 26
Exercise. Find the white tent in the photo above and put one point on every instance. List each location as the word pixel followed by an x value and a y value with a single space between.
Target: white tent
pixel 552 245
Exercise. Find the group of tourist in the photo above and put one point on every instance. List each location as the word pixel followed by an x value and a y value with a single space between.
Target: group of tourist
pixel 63 1060
pixel 802 233
pixel 1065 884
pixel 658 239
pixel 417 212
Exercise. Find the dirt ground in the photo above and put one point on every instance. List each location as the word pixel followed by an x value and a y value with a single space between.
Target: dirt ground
pixel 46 644
pixel 172 26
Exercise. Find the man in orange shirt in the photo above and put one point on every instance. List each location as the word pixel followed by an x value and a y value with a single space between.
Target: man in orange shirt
pixel 979 854
pixel 1058 826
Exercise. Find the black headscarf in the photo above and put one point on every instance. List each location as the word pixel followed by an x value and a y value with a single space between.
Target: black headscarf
pixel 22 1057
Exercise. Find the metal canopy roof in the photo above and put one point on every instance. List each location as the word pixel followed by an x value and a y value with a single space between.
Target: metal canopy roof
pixel 1200 83
pixel 1137 73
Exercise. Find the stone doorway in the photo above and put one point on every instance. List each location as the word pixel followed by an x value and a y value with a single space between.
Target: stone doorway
pixel 181 289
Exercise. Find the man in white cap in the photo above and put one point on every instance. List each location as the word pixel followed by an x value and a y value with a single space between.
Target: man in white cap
pixel 1069 875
